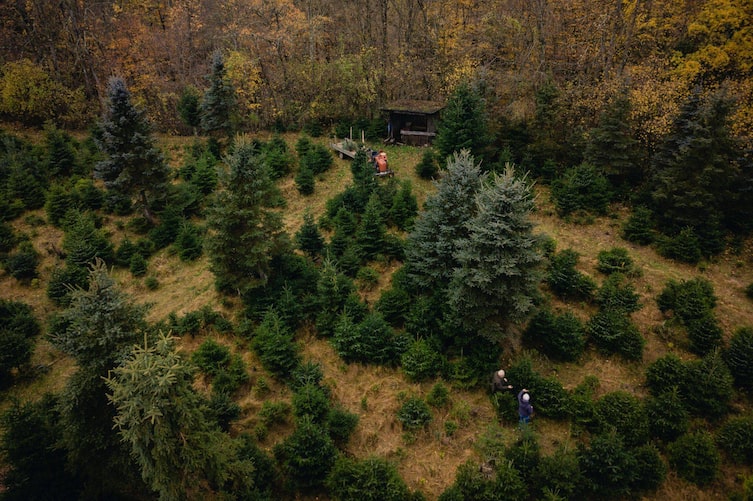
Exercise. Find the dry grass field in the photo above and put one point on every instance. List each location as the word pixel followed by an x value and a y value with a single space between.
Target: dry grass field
pixel 427 460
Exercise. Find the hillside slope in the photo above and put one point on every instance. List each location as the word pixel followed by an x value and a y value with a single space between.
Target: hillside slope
pixel 428 459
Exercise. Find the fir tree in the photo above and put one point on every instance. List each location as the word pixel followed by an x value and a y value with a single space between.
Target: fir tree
pixel 371 232
pixel 308 238
pixel 218 105
pixel 22 185
pixel 36 465
pixel 699 179
pixel 159 416
pixel 427 168
pixel 581 188
pixel 97 330
pixel 60 155
pixel 304 180
pixel 364 182
pixel 138 265
pixel 739 357
pixel 464 124
pixel 306 456
pixel 18 328
pixel 205 175
pixel 275 344
pixel 613 149
pixel 58 202
pixel 245 233
pixel 496 283
pixel 189 242
pixel 404 207
pixel 84 242
pixel 189 107
pixel 133 164
pixel 431 248
pixel 332 290
pixel 548 138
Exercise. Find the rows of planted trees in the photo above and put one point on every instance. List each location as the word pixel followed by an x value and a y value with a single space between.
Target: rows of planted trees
pixel 472 272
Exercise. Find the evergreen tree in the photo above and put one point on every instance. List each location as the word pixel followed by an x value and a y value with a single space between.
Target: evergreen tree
pixel 18 328
pixel 548 138
pixel 404 207
pixel 306 456
pixel 189 242
pixel 370 235
pixel 218 105
pixel 739 357
pixel 332 290
pixel 60 155
pixel 84 242
pixel 609 466
pixel 277 155
pixel 133 164
pixel 464 124
pixel 97 330
pixel 138 265
pixel 63 281
pixel 37 467
pixel 58 202
pixel 275 344
pixel 612 149
pixel 431 249
pixel 320 158
pixel 427 168
pixel 100 325
pixel 159 416
pixel 304 180
pixel 24 186
pixel 497 281
pixel 364 182
pixel 699 178
pixel 22 264
pixel 245 234
pixel 189 107
pixel 205 175
pixel 370 479
pixel 581 188
pixel 308 238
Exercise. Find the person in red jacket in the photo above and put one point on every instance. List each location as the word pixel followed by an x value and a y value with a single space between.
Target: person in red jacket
pixel 381 162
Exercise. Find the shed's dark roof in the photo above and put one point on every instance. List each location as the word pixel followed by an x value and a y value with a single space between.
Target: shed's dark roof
pixel 414 106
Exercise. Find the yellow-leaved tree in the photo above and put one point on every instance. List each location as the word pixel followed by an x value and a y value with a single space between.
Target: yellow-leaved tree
pixel 29 95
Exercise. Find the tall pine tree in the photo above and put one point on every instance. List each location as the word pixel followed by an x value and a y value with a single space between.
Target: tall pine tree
pixel 431 248
pixel 701 178
pixel 97 331
pixel 133 165
pixel 497 281
pixel 245 232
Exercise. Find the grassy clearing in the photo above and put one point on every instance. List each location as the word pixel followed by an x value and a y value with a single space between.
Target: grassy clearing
pixel 428 459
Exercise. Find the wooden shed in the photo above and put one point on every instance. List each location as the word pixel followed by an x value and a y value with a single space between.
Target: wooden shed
pixel 412 122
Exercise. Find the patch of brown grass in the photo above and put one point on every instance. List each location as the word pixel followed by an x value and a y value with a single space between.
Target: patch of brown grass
pixel 426 459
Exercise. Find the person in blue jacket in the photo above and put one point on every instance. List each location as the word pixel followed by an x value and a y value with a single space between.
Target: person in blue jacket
pixel 525 409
